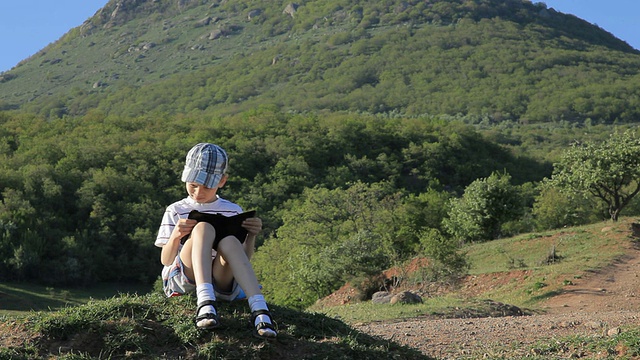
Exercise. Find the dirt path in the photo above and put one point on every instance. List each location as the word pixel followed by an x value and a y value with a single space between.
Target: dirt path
pixel 614 288
pixel 594 305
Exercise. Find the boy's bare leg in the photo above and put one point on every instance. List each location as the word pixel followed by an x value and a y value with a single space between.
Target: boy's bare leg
pixel 201 242
pixel 199 247
pixel 233 262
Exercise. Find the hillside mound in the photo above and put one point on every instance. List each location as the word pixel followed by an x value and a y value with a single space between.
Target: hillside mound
pixel 153 327
pixel 600 306
pixel 614 286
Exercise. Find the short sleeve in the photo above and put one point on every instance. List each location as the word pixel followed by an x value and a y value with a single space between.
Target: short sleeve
pixel 169 221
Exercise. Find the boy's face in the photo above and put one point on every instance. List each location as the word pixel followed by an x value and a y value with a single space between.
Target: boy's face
pixel 200 193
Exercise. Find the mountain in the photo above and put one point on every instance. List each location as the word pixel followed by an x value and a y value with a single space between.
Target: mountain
pixel 495 59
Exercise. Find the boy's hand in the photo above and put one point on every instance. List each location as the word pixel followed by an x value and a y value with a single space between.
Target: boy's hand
pixel 184 227
pixel 253 225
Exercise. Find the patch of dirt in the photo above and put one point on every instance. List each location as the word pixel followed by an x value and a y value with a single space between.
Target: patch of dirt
pixel 597 304
pixel 13 334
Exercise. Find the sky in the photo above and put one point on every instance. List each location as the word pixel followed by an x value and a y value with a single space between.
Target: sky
pixel 27 26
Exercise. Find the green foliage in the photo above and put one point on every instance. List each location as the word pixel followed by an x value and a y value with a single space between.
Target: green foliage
pixel 329 237
pixel 485 205
pixel 508 60
pixel 86 209
pixel 555 209
pixel 608 171
pixel 448 261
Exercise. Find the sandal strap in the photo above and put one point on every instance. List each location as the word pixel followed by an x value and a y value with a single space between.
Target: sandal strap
pixel 205 303
pixel 207 316
pixel 255 314
pixel 264 325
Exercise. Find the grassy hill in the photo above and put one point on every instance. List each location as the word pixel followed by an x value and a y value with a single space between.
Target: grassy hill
pixel 151 326
pixel 523 271
pixel 494 58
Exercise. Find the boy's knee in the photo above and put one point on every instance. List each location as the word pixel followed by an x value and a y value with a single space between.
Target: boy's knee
pixel 229 243
pixel 203 231
pixel 203 227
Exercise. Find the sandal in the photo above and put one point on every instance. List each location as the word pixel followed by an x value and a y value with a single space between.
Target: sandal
pixel 207 316
pixel 259 329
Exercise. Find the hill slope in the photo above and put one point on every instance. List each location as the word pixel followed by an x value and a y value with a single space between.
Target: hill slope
pixel 594 314
pixel 503 59
pixel 153 327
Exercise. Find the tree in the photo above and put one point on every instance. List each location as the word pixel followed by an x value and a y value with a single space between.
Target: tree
pixel 554 209
pixel 609 171
pixel 330 237
pixel 486 205
pixel 447 262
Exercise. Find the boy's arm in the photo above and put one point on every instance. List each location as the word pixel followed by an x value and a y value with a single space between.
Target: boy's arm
pixel 253 226
pixel 170 249
pixel 249 245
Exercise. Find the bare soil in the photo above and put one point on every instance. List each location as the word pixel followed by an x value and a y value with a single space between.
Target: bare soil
pixel 599 304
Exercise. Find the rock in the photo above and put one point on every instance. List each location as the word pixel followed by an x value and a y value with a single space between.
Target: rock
pixel 216 34
pixel 253 13
pixel 593 324
pixel 290 9
pixel 381 297
pixel 614 331
pixel 406 297
pixel 203 22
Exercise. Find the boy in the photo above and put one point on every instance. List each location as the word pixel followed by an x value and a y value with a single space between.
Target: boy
pixel 198 258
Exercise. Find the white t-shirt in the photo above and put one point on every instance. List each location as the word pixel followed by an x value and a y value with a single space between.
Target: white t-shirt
pixel 181 209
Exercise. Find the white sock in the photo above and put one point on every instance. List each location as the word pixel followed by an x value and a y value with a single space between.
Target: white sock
pixel 204 293
pixel 257 302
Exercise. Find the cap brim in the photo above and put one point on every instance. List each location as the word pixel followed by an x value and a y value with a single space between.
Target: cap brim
pixel 201 177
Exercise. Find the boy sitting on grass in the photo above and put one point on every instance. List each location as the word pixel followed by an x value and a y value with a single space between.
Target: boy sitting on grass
pixel 213 262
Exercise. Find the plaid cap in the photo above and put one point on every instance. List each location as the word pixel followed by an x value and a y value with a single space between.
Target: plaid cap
pixel 205 165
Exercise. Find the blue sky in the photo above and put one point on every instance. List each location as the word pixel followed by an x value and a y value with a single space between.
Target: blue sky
pixel 29 25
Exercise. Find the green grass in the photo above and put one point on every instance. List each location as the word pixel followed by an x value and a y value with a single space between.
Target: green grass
pixel 544 263
pixel 152 326
pixel 368 311
pixel 93 323
pixel 519 271
pixel 18 298
pixel 625 345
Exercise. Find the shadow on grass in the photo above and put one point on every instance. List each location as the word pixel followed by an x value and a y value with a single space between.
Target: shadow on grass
pixel 152 326
pixel 16 298
pixel 19 299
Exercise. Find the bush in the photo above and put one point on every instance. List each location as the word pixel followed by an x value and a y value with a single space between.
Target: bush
pixel 485 206
pixel 448 262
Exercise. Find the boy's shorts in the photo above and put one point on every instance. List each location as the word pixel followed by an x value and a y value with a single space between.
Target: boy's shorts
pixel 175 283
